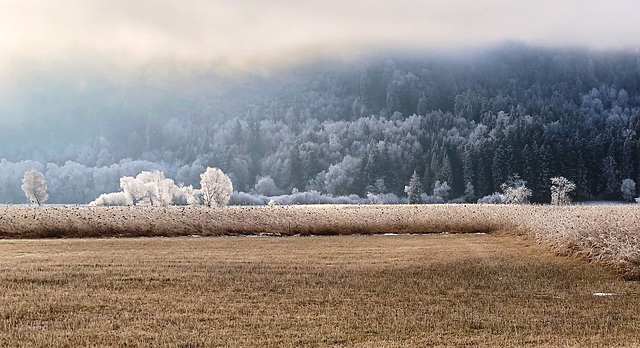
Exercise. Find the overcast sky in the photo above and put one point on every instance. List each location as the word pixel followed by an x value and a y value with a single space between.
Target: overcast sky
pixel 241 33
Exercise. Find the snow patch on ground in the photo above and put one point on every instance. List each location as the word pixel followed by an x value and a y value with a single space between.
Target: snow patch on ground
pixel 603 294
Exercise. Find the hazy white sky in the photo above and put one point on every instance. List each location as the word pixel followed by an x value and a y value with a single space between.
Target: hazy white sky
pixel 240 33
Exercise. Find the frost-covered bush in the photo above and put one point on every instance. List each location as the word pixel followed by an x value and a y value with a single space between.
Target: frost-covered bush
pixel 385 198
pixel 459 200
pixel 307 197
pixel 441 190
pixel 391 198
pixel 373 198
pixel 243 198
pixel 432 199
pixel 515 191
pixel 265 186
pixel 495 198
pixel 111 199
pixel 186 195
pixel 560 188
pixel 628 189
pixel 350 199
pixel 296 197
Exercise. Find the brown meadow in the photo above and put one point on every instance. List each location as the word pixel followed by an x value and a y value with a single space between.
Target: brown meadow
pixel 359 291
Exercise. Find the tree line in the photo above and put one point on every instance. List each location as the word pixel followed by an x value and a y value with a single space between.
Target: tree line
pixel 472 122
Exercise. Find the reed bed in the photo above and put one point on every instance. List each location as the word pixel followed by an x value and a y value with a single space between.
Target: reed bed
pixel 609 235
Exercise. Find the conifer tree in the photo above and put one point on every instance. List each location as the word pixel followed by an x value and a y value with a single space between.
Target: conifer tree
pixel 414 189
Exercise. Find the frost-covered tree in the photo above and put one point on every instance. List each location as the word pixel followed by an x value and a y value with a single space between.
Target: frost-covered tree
pixel 628 189
pixel 560 188
pixel 515 191
pixel 134 189
pixel 216 187
pixel 186 195
pixel 159 188
pixel 35 187
pixel 414 189
pixel 340 177
pixel 148 181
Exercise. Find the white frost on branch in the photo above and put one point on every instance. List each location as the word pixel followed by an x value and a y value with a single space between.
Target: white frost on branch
pixel 216 187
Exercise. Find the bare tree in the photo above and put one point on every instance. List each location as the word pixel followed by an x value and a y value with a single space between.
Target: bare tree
pixel 35 187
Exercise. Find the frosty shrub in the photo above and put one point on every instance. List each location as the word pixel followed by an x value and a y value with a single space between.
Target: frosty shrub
pixel 385 198
pixel 495 198
pixel 307 197
pixel 391 198
pixel 244 198
pixel 35 187
pixel 441 190
pixel 628 189
pixel 265 186
pixel 373 198
pixel 515 191
pixel 216 187
pixel 110 199
pixel 186 195
pixel 459 200
pixel 560 188
pixel 431 199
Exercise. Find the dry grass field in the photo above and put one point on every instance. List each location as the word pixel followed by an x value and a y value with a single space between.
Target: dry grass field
pixel 609 235
pixel 358 291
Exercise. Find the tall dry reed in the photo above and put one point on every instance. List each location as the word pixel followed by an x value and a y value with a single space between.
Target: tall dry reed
pixel 604 234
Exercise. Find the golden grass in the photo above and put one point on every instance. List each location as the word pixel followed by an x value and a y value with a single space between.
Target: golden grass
pixel 605 234
pixel 360 291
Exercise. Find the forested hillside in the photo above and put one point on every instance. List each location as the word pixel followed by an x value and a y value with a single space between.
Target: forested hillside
pixel 473 120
